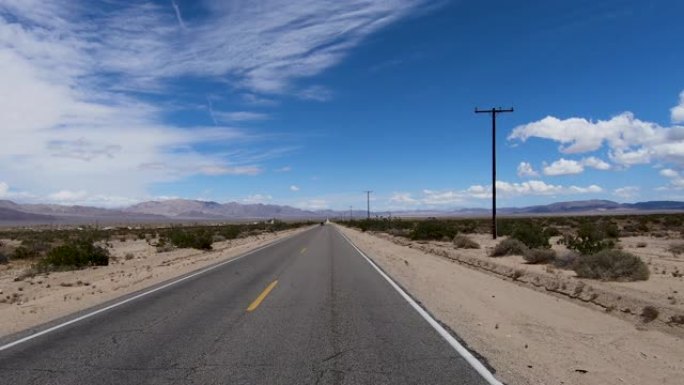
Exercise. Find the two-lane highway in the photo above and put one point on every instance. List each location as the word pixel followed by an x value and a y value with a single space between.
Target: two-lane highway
pixel 307 310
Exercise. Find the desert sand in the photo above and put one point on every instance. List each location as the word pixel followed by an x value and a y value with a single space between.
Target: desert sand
pixel 526 335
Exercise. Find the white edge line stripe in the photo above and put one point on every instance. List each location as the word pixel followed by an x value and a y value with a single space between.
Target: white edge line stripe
pixel 474 362
pixel 115 305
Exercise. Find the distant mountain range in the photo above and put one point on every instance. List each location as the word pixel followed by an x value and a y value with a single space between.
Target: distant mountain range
pixel 177 210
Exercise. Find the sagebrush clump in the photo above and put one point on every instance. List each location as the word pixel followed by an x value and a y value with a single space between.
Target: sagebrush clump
pixel 613 265
pixel 649 313
pixel 464 242
pixel 509 246
pixel 539 255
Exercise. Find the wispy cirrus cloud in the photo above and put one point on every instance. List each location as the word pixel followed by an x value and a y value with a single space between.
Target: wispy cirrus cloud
pixel 81 74
pixel 260 46
pixel 239 116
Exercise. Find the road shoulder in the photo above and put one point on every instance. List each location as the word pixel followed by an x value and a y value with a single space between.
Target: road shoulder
pixel 529 337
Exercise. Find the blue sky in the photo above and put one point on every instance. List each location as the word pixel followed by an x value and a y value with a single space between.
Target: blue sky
pixel 308 103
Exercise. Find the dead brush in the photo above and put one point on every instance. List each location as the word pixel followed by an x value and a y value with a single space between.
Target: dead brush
pixel 465 242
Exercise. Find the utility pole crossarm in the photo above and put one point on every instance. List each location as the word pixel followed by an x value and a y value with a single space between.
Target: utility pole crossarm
pixel 493 112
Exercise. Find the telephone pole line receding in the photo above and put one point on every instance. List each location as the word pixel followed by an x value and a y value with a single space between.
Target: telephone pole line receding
pixel 368 193
pixel 493 112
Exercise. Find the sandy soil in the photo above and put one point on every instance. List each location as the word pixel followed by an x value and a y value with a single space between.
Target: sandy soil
pixel 528 336
pixel 664 290
pixel 134 265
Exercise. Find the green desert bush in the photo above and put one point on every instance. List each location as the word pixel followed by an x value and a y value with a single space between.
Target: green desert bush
pixel 539 256
pixel 613 265
pixel 23 252
pixel 196 238
pixel 230 231
pixel 551 231
pixel 531 234
pixel 433 229
pixel 76 254
pixel 509 246
pixel 465 242
pixel 590 238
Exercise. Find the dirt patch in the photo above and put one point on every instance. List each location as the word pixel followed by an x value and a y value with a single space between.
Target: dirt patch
pixel 528 336
pixel 133 266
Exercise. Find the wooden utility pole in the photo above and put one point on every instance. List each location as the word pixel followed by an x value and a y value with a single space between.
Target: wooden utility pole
pixel 368 193
pixel 493 112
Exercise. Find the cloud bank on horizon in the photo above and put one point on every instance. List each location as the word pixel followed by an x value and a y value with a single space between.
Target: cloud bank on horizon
pixel 111 103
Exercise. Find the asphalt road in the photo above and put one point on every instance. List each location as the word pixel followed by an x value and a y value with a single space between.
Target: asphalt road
pixel 319 313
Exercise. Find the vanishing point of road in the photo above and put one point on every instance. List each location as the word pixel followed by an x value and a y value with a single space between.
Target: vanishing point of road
pixel 309 309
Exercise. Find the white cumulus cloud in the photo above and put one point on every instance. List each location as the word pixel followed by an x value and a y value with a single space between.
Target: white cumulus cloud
pixel 257 198
pixel 294 188
pixel 676 178
pixel 596 163
pixel 403 198
pixel 563 167
pixel 68 196
pixel 630 141
pixel 677 112
pixel 525 169
pixel 437 198
pixel 626 192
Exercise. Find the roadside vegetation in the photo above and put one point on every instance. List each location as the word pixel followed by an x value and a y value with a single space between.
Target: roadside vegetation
pixel 75 248
pixel 590 242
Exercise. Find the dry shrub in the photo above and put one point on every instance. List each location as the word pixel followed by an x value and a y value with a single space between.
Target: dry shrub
pixel 539 255
pixel 464 242
pixel 612 265
pixel 509 247
pixel 649 313
pixel 566 260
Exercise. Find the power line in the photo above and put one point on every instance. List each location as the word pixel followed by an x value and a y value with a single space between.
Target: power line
pixel 493 112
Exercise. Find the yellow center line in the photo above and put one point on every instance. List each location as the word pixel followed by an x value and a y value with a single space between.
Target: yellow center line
pixel 303 250
pixel 262 296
